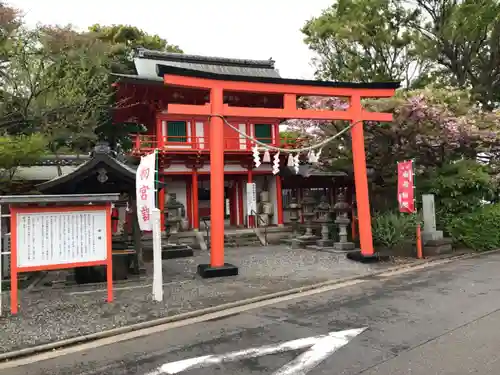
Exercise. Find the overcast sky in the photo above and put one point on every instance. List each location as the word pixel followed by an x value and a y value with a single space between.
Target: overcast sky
pixel 254 29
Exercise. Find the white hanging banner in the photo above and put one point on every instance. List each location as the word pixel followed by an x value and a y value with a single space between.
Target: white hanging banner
pixel 145 190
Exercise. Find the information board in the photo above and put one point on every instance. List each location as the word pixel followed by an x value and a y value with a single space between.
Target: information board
pixel 58 238
pixel 251 198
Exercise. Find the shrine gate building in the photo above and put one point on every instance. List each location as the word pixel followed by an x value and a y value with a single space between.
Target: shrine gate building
pixel 183 141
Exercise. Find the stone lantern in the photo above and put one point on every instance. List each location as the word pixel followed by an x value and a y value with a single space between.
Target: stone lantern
pixel 323 211
pixel 174 214
pixel 341 210
pixel 294 208
pixel 308 205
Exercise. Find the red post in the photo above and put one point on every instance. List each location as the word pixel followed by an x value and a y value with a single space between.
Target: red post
pixel 216 179
pixel 241 219
pixel 361 178
pixel 420 254
pixel 353 224
pixel 109 261
pixel 233 196
pixel 160 140
pixel 13 261
pixel 189 202
pixel 194 190
pixel 279 198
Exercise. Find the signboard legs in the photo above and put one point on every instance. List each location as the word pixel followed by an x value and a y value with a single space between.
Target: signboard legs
pixel 157 262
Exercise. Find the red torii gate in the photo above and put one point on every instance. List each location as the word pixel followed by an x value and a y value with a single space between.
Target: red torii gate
pixel 290 89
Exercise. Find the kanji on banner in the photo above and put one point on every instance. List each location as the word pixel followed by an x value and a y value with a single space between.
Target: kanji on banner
pixel 145 190
pixel 405 187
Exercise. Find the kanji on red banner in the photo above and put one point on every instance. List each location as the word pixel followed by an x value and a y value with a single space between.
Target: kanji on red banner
pixel 405 187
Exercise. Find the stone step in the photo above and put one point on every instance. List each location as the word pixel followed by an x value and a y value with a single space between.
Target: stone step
pixel 246 244
pixel 169 252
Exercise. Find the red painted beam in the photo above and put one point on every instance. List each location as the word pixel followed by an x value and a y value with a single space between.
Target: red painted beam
pixel 276 88
pixel 189 109
pixel 281 113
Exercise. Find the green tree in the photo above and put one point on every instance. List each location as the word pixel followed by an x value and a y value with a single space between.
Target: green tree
pixel 124 39
pixel 459 188
pixel 462 39
pixel 365 40
pixel 445 42
pixel 9 23
pixel 56 83
pixel 17 151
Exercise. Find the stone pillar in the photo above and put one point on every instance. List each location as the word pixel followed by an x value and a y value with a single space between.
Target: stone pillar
pixel 429 212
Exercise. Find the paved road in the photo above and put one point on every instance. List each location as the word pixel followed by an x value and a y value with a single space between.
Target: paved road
pixel 442 320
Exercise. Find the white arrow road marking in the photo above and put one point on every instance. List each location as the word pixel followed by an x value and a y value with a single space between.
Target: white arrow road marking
pixel 321 347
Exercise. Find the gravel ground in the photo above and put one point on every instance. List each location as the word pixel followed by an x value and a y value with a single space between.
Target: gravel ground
pixel 54 314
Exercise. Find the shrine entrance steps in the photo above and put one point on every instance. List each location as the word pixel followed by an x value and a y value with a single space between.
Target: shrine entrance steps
pixel 238 237
pixel 242 239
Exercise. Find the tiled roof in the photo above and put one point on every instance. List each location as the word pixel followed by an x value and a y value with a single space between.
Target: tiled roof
pixel 146 61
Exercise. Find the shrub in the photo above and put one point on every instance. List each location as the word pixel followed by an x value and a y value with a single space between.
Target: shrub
pixel 478 230
pixel 393 229
pixel 459 188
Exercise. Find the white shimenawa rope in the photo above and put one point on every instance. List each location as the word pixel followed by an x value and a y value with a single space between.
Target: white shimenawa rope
pixel 286 150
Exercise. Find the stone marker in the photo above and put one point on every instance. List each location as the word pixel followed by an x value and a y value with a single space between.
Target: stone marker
pixel 429 212
pixel 434 242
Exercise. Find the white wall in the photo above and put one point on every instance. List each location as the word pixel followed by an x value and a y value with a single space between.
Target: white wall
pixel 200 132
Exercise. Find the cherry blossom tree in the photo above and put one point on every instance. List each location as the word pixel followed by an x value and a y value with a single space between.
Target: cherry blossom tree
pixel 455 145
pixel 432 126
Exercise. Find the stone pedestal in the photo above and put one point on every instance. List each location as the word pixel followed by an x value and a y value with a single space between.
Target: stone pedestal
pixel 436 235
pixel 303 242
pixel 324 241
pixel 295 243
pixel 438 247
pixel 343 244
pixel 263 220
pixel 168 250
pixel 206 271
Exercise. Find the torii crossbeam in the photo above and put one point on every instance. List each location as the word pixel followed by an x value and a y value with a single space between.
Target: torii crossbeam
pixel 290 89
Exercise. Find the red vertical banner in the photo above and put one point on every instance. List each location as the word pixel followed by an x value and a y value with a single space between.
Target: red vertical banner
pixel 406 196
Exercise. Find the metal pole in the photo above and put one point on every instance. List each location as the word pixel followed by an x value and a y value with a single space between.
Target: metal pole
pixel 157 261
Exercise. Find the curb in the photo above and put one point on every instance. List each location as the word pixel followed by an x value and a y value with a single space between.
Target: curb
pixel 209 310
